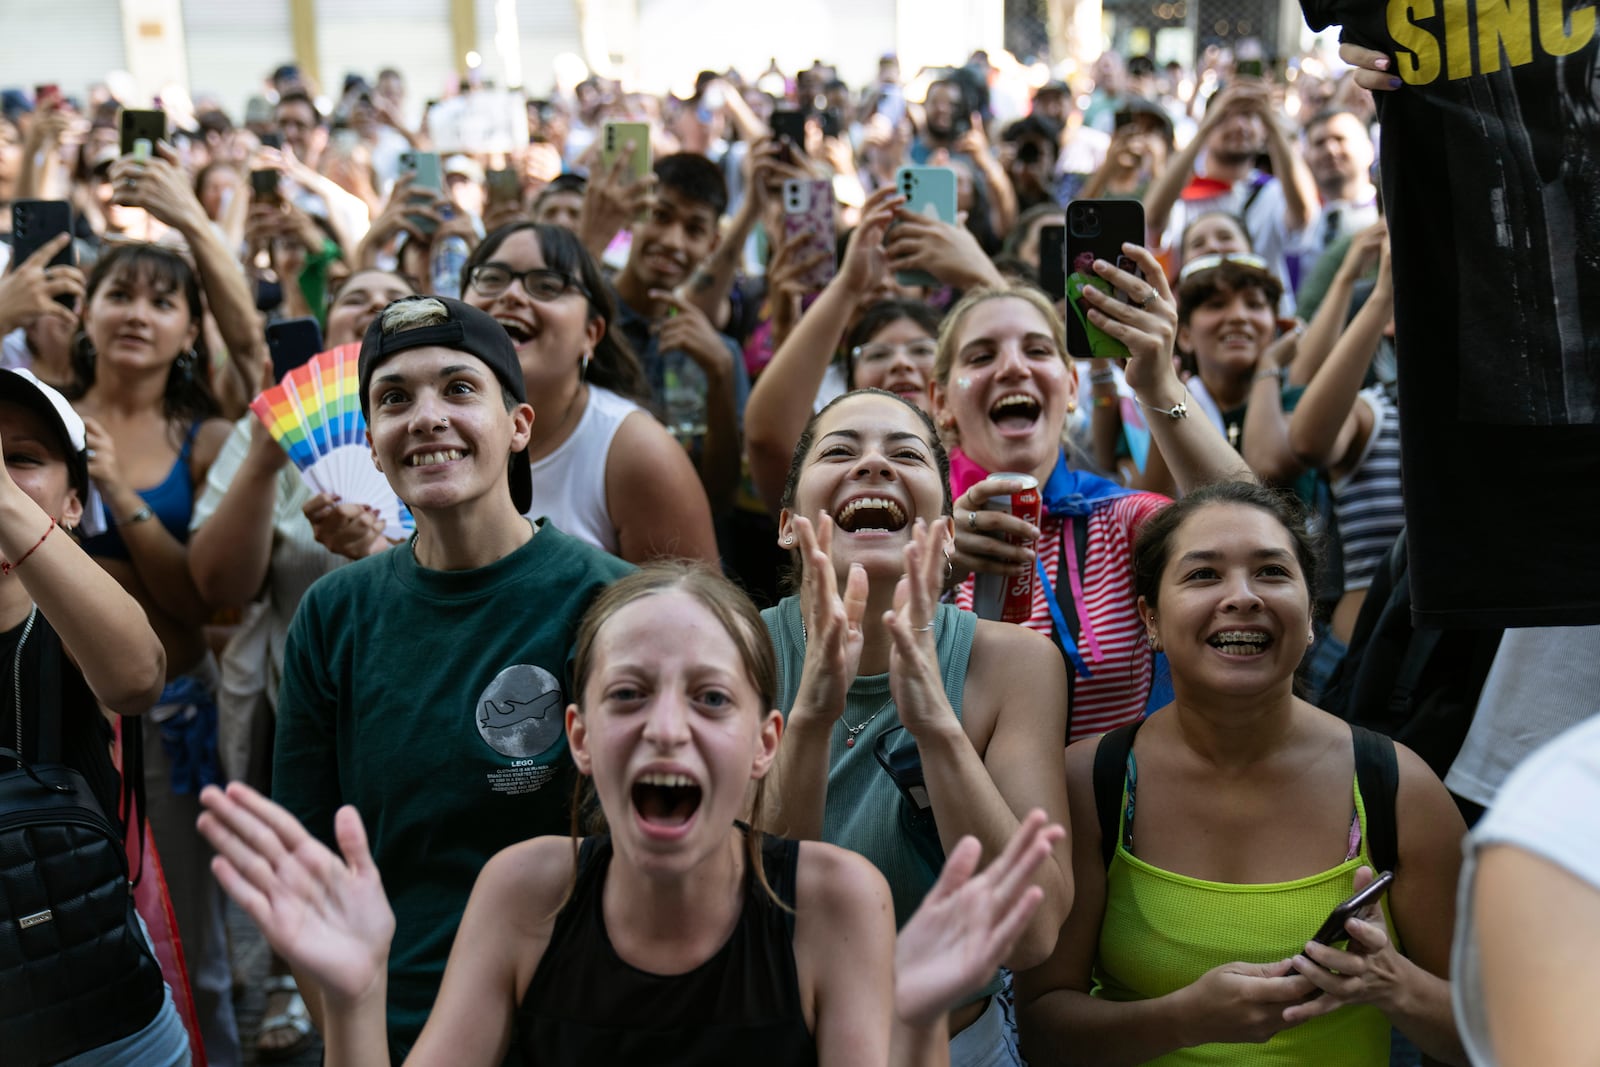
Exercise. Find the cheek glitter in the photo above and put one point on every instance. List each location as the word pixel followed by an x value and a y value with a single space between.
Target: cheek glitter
pixel 963 383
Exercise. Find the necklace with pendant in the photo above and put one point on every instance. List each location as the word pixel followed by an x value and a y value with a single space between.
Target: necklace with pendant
pixel 853 731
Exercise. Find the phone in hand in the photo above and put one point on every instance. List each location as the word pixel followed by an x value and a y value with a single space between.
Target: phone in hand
pixel 33 224
pixel 504 186
pixel 928 191
pixel 271 139
pixel 425 170
pixel 291 343
pixel 1097 229
pixel 140 130
pixel 808 227
pixel 1053 261
pixel 264 186
pixel 789 130
pixel 1332 929
pixel 616 136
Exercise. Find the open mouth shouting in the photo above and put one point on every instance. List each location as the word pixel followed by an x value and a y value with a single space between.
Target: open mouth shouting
pixel 1240 643
pixel 665 802
pixel 865 513
pixel 1016 413
pixel 519 330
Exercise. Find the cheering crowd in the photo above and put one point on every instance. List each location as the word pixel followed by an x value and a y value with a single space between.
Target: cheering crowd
pixel 716 698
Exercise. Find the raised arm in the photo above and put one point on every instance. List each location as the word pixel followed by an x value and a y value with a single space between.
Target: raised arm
pixel 691 332
pixel 655 498
pixel 985 794
pixel 781 399
pixel 102 628
pixel 158 185
pixel 1300 197
pixel 1329 321
pixel 1328 428
pixel 326 914
pixel 230 550
pixel 798 789
pixel 1192 449
pixel 1264 442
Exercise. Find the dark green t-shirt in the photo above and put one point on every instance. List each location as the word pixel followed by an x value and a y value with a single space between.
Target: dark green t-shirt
pixel 434 702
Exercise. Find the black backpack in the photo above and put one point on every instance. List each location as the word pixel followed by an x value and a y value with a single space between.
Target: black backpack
pixel 75 970
pixel 1416 684
pixel 1377 773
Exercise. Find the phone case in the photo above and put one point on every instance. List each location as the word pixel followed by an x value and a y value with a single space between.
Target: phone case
pixel 136 126
pixel 1097 229
pixel 789 124
pixel 929 191
pixel 425 167
pixel 1053 261
pixel 614 137
pixel 291 343
pixel 33 223
pixel 808 227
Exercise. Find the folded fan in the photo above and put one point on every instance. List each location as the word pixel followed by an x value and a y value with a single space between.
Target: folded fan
pixel 315 415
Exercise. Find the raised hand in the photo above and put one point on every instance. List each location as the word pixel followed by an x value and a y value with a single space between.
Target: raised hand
pixel 993 542
pixel 864 258
pixel 967 925
pixel 29 291
pixel 160 186
pixel 612 201
pixel 916 681
pixel 832 620
pixel 1148 325
pixel 326 914
pixel 1376 69
pixel 348 530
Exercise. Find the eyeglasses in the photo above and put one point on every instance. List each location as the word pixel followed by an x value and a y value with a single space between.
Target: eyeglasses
pixel 922 351
pixel 542 284
pixel 1217 259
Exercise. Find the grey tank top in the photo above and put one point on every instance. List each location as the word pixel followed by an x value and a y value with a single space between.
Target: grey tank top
pixel 863 807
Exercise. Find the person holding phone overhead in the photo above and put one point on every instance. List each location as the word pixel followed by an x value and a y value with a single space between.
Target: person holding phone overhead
pixel 1211 841
pixel 1001 390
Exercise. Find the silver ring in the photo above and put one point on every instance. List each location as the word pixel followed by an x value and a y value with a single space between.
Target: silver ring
pixel 922 629
pixel 1145 303
pixel 972 520
pixel 88 453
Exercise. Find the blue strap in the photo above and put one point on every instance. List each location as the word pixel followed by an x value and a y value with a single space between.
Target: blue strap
pixel 1063 634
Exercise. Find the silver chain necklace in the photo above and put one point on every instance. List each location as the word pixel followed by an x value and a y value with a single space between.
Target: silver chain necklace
pixel 853 731
pixel 16 673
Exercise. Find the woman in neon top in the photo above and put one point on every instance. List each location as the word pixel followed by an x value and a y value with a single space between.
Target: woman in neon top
pixel 1256 815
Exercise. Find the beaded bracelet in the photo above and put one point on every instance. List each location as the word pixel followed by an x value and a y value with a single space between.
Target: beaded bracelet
pixel 7 568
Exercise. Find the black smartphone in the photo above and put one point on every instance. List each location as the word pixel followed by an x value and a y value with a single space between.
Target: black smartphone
pixel 1249 68
pixel 504 186
pixel 264 186
pixel 832 122
pixel 34 223
pixel 1097 229
pixel 789 128
pixel 272 139
pixel 1333 929
pixel 291 342
pixel 141 126
pixel 1053 261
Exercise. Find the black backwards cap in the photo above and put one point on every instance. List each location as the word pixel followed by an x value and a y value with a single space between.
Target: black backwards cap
pixel 466 330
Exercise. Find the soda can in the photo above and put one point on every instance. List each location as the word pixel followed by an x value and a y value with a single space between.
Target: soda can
pixel 1007 597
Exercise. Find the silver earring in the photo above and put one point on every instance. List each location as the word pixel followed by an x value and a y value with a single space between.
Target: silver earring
pixel 1153 641
pixel 787 541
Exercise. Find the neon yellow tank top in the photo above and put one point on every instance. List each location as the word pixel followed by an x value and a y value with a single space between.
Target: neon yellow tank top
pixel 1162 931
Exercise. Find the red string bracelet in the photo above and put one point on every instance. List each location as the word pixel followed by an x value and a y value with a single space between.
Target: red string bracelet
pixel 7 568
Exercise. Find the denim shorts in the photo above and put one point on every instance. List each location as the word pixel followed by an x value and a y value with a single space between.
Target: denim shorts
pixel 162 1043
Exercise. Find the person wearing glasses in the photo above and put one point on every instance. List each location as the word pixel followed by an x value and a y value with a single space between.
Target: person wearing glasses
pixel 889 344
pixel 604 470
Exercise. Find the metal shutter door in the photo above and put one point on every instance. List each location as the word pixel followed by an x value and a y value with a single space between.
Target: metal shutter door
pixel 72 43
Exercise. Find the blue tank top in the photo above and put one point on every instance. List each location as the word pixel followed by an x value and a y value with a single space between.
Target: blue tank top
pixel 172 502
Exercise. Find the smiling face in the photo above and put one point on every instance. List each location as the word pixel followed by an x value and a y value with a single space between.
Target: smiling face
pixel 137 321
pixel 1228 331
pixel 439 428
pixel 1234 612
pixel 551 336
pixel 671 240
pixel 673 730
pixel 873 467
pixel 1008 386
pixel 898 360
pixel 1215 233
pixel 359 301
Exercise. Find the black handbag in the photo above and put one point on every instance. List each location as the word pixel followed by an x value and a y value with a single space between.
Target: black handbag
pixel 75 970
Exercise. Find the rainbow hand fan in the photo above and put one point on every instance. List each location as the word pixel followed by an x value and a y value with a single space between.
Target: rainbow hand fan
pixel 315 414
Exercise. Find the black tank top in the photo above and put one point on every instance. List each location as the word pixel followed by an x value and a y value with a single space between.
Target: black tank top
pixel 586 1006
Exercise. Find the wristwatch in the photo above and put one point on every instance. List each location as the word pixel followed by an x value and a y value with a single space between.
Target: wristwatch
pixel 144 514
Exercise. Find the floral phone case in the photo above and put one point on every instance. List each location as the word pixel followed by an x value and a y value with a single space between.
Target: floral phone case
pixel 808 227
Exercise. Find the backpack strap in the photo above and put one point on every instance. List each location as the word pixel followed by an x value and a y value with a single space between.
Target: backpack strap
pixel 1110 759
pixel 1378 774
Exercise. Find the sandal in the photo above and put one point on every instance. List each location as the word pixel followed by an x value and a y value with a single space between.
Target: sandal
pixel 293 1019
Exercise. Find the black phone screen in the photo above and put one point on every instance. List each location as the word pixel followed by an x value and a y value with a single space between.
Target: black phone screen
pixel 1052 261
pixel 292 342
pixel 1333 928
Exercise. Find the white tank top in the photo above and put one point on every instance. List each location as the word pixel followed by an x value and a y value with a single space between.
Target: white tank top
pixel 569 485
